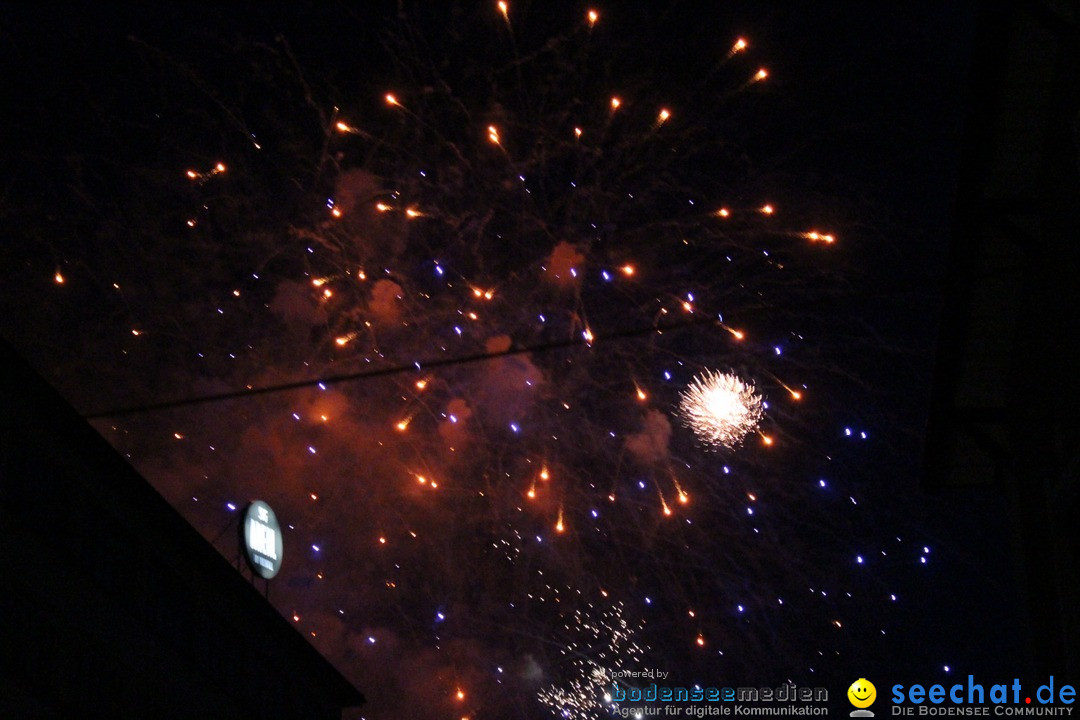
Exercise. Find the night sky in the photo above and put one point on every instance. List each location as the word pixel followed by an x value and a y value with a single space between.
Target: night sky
pixel 487 288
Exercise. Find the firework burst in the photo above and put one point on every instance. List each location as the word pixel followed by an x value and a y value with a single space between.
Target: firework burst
pixel 517 275
pixel 602 643
pixel 721 409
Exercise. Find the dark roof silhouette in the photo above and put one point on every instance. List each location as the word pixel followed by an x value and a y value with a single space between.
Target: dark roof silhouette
pixel 112 604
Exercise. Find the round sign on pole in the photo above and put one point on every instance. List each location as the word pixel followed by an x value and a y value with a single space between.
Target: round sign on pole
pixel 260 537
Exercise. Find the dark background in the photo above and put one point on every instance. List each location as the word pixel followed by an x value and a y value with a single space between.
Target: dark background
pixel 865 107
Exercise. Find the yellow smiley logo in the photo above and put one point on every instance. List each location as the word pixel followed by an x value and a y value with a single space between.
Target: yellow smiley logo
pixel 862 693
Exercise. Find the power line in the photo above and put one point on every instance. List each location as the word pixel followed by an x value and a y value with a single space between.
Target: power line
pixel 393 370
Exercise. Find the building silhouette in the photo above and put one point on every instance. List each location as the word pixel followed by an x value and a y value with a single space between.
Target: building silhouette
pixel 112 605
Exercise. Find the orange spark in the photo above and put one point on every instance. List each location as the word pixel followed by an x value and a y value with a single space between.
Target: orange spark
pixel 737 334
pixel 684 498
pixel 815 236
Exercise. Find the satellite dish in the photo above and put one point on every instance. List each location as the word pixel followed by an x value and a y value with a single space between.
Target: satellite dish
pixel 261 539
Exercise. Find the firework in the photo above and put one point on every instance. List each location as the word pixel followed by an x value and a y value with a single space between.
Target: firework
pixel 720 408
pixel 602 645
pixel 515 281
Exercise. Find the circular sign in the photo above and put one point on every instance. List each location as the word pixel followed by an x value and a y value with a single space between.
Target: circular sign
pixel 260 537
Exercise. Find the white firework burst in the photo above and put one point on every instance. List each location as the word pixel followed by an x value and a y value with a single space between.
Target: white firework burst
pixel 721 409
pixel 603 642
